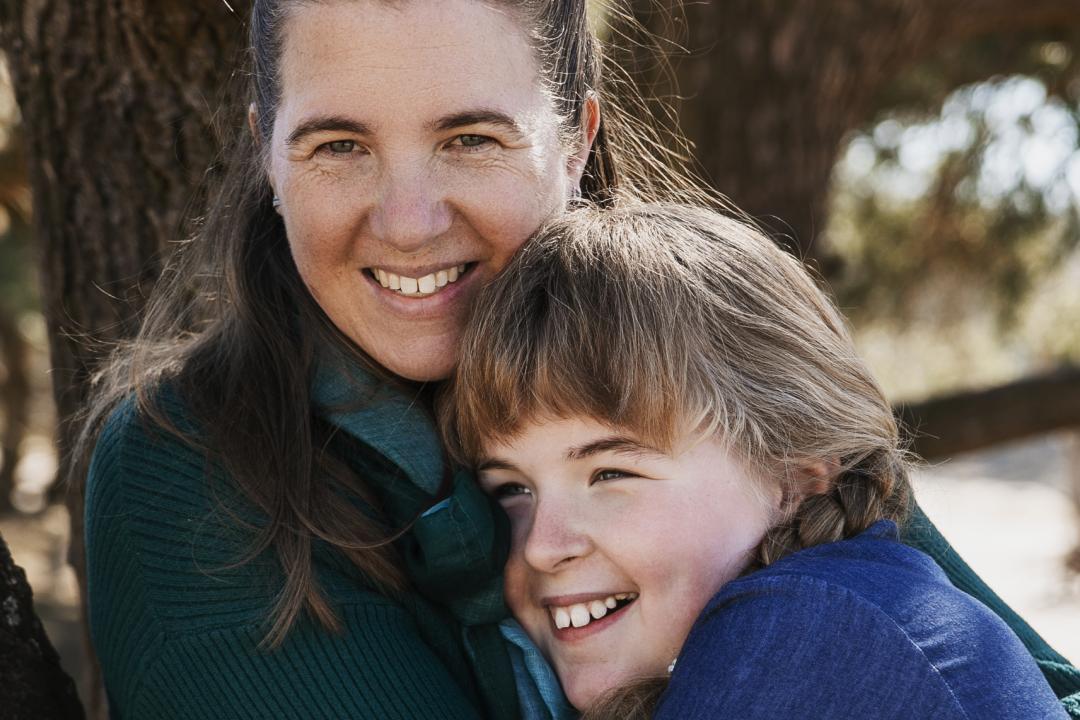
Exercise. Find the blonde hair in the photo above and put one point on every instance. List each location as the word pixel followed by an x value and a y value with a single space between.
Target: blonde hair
pixel 664 318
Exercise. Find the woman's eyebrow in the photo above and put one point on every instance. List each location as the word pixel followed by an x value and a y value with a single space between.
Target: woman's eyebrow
pixel 481 116
pixel 321 123
pixel 614 443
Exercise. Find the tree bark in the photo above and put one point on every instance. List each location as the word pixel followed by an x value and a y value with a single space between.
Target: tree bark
pixel 773 87
pixel 119 100
pixel 14 402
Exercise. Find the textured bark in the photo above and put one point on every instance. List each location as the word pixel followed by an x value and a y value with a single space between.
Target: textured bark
pixel 774 86
pixel 34 685
pixel 14 401
pixel 119 100
pixel 960 423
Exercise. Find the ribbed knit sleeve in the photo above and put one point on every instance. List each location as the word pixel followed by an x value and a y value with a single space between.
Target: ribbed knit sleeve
pixel 177 623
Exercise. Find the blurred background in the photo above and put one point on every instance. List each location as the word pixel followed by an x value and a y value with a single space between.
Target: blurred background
pixel 925 162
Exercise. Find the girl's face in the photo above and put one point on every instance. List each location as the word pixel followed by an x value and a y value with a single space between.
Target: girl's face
pixel 617 547
pixel 414 150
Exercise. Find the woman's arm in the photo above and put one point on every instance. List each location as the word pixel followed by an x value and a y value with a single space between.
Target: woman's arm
pixel 178 625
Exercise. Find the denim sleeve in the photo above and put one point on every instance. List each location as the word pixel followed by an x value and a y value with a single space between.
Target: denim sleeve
pixel 800 647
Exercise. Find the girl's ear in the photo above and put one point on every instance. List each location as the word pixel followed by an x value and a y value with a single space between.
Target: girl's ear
pixel 816 477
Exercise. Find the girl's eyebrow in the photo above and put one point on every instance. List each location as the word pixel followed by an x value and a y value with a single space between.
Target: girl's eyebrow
pixel 496 464
pixel 618 444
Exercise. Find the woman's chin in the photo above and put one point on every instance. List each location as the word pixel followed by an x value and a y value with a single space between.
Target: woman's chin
pixel 421 369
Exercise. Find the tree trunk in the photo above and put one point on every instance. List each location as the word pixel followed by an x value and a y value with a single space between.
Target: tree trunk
pixel 14 402
pixel 119 100
pixel 773 87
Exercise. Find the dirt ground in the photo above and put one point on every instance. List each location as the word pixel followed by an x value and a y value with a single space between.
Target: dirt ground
pixel 1007 511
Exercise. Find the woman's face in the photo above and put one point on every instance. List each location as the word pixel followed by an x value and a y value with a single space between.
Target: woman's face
pixel 617 547
pixel 414 150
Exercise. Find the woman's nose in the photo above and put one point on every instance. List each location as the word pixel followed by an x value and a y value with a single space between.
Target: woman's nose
pixel 555 538
pixel 411 209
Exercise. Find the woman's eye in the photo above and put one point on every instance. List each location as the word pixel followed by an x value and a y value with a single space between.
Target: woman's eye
pixel 339 147
pixel 471 142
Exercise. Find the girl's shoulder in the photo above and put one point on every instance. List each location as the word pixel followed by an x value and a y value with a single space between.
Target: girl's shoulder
pixel 865 627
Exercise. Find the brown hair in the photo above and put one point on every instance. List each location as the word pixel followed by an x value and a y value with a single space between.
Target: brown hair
pixel 664 319
pixel 230 319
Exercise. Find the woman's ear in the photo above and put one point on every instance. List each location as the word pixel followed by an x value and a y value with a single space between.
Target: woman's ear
pixel 590 125
pixel 253 122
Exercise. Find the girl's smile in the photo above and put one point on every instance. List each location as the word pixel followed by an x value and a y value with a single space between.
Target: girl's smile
pixel 617 547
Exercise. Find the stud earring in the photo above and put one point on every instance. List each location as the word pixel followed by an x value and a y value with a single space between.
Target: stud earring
pixel 276 202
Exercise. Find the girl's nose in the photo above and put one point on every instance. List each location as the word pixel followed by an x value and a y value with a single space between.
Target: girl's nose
pixel 411 209
pixel 554 538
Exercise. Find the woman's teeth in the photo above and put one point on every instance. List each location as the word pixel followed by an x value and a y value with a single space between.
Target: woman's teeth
pixel 581 614
pixel 426 285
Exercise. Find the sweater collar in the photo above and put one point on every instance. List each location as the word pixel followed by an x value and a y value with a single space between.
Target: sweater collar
pixel 381 416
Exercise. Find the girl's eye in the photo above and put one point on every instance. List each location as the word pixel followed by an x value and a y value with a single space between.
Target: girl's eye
pixel 602 475
pixel 339 147
pixel 509 490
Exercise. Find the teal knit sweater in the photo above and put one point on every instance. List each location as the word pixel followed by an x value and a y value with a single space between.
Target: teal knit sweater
pixel 178 625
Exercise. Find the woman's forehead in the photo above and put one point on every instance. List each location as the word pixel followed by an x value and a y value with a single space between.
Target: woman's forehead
pixel 421 57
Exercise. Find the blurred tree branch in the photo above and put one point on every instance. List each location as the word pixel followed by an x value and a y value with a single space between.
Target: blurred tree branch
pixel 946 426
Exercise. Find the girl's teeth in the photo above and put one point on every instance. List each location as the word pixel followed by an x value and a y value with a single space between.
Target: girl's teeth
pixel 427 284
pixel 440 278
pixel 579 616
pixel 409 286
pixel 394 280
pixel 582 614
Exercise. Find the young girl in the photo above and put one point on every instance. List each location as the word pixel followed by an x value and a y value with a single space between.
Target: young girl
pixel 704 485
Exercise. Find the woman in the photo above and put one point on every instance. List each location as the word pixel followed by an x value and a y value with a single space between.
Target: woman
pixel 270 527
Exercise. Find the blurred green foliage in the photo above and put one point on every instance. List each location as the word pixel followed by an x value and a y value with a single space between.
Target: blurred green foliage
pixel 962 197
